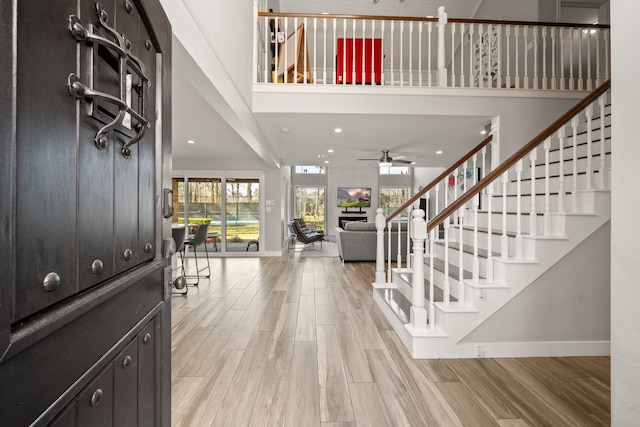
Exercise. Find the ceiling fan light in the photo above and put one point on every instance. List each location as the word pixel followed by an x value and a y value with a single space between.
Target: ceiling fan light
pixel 385 164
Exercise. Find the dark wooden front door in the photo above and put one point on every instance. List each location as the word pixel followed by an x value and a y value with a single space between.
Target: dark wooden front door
pixel 84 314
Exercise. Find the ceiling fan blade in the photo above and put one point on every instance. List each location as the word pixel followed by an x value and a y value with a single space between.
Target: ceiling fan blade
pixel 403 162
pixel 399 157
pixel 368 159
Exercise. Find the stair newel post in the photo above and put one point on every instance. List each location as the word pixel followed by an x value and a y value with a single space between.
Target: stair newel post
pixel 561 137
pixel 442 70
pixel 547 196
pixel 574 188
pixel 601 181
pixel 589 171
pixel 533 216
pixel 461 213
pixel 419 235
pixel 504 241
pixel 446 285
pixel 519 209
pixel 489 233
pixel 380 225
pixel 409 227
pixel 432 312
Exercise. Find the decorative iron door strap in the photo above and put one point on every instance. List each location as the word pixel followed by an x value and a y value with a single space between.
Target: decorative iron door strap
pixel 127 63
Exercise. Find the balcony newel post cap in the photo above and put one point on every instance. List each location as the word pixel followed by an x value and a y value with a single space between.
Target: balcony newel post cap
pixel 442 15
pixel 380 221
pixel 419 229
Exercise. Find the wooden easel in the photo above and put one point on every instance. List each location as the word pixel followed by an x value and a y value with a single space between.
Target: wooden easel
pixel 293 58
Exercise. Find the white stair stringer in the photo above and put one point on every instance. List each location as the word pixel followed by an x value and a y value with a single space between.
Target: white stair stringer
pixel 511 276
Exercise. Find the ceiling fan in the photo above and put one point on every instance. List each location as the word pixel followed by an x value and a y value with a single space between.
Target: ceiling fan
pixel 386 160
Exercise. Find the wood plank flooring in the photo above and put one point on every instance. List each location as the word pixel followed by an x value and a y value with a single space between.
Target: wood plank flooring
pixel 293 341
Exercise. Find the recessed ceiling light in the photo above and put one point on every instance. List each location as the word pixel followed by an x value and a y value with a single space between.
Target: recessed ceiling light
pixel 191 141
pixel 483 132
pixel 326 161
pixel 284 130
pixel 337 130
pixel 329 150
pixel 439 152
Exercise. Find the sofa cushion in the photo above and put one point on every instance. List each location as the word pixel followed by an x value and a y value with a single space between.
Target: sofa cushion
pixel 360 226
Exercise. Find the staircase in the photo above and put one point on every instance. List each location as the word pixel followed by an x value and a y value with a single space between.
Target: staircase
pixel 492 278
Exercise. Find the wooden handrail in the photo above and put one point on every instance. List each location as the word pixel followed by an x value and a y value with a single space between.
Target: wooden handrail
pixel 504 166
pixel 440 177
pixel 427 19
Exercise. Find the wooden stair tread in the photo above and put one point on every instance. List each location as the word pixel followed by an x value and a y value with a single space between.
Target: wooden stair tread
pixel 437 292
pixel 482 252
pixel 397 302
pixel 486 230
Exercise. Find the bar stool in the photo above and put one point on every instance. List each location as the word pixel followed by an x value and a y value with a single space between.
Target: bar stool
pixel 198 239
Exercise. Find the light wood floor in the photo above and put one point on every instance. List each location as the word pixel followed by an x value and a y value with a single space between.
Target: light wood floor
pixel 295 341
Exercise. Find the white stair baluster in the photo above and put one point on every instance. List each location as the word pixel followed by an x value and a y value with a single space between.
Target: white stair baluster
pixel 533 216
pixel 536 74
pixel 461 213
pixel 462 81
pixel 554 81
pixel 401 60
pixel 382 47
pixel 411 53
pixel 446 286
pixel 364 50
pixel 544 58
pixel 571 32
pixel 508 39
pixel 373 56
pixel 526 57
pixel 481 55
pixel 561 140
pixel 420 53
pixel 601 172
pixel 517 51
pixel 471 52
pixel 353 51
pixel 442 70
pixel 519 209
pixel 580 65
pixel 432 306
pixel 393 24
pixel 429 27
pixel 335 48
pixel 490 232
pixel 324 51
pixel 389 259
pixel 453 55
pixel 418 312
pixel 589 171
pixel 504 242
pixel 547 196
pixel 598 64
pixel 562 32
pixel 380 225
pixel 589 82
pixel 399 262
pixel 574 188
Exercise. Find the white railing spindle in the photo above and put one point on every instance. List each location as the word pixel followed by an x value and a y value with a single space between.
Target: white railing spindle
pixel 504 240
pixel 547 195
pixel 442 71
pixel 519 209
pixel 432 306
pixel 561 139
pixel 589 172
pixel 574 187
pixel 380 225
pixel 533 216
pixel 461 213
pixel 602 170
pixel 446 285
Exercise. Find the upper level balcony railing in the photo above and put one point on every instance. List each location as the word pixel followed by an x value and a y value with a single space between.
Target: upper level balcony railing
pixel 429 52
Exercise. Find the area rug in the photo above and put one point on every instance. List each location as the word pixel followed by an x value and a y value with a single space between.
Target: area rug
pixel 329 249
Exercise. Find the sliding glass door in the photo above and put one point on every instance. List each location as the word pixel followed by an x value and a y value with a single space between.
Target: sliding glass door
pixel 231 206
pixel 243 214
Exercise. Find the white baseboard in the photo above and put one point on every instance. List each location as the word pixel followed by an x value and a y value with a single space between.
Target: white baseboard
pixel 530 349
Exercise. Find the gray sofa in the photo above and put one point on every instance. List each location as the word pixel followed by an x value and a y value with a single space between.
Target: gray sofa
pixel 357 242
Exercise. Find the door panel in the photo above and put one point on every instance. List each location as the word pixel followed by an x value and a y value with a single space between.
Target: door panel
pixel 46 214
pixel 147 374
pixel 95 404
pixel 125 383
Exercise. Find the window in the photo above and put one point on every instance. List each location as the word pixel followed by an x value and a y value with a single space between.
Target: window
pixel 395 170
pixel 392 198
pixel 311 169
pixel 309 205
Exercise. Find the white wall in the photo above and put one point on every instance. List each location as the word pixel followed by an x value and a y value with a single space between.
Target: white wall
pixel 512 10
pixel 625 229
pixel 565 304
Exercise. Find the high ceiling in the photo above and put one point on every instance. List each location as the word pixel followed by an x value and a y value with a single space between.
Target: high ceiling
pixel 198 116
